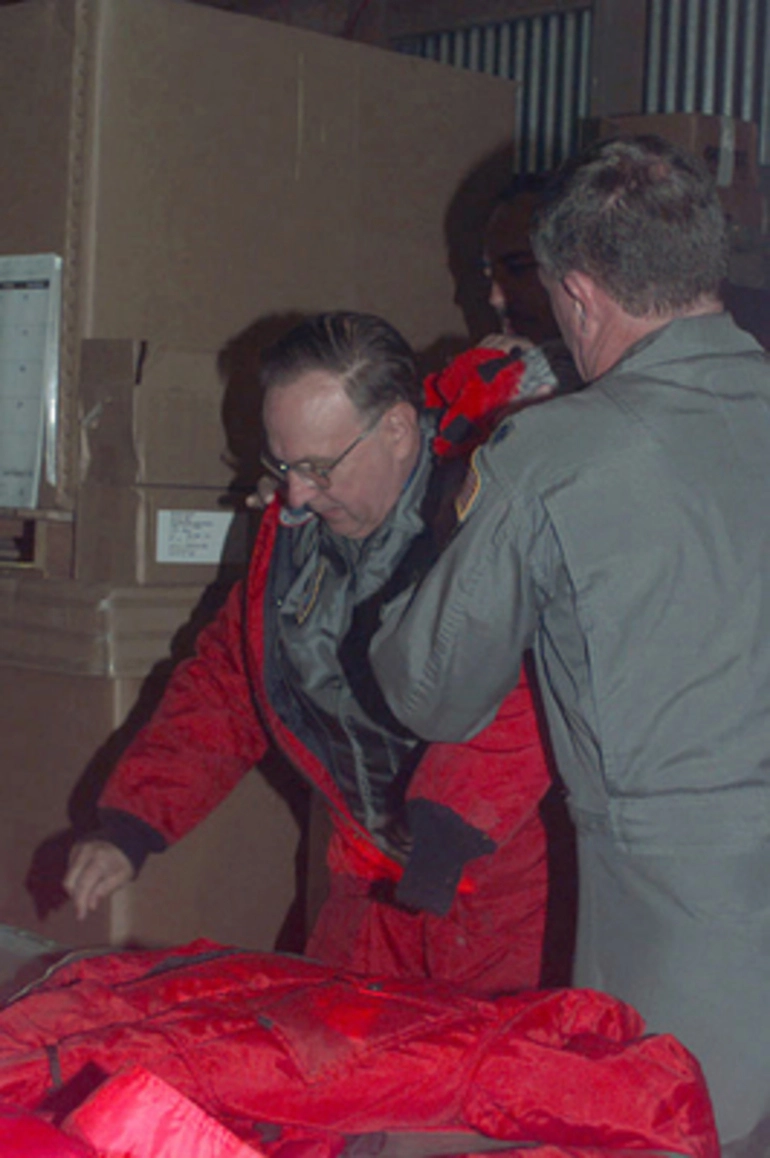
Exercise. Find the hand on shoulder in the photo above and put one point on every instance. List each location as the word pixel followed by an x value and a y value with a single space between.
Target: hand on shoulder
pixel 506 343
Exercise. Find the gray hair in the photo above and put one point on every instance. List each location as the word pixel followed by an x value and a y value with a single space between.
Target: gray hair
pixel 374 361
pixel 642 218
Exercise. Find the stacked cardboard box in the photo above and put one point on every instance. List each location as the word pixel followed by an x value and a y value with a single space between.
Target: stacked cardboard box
pixel 74 686
pixel 154 500
pixel 197 170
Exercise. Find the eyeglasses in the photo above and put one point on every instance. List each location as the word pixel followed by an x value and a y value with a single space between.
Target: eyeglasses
pixel 319 474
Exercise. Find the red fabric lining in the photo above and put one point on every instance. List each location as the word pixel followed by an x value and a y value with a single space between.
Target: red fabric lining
pixel 23 1133
pixel 136 1115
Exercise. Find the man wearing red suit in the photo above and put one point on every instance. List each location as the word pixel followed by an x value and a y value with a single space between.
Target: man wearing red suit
pixel 437 859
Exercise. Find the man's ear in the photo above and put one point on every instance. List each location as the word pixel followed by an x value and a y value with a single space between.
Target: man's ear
pixel 581 289
pixel 402 425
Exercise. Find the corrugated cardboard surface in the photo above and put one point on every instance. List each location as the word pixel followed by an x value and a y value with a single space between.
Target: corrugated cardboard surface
pixel 151 415
pixel 153 444
pixel 285 171
pixel 232 879
pixel 224 168
pixel 116 535
pixel 37 44
pixel 77 663
pixel 90 629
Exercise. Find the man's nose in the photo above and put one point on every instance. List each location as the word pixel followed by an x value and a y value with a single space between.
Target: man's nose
pixel 496 296
pixel 299 490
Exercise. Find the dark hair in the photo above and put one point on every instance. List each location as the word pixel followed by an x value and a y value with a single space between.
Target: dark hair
pixel 531 184
pixel 376 364
pixel 642 218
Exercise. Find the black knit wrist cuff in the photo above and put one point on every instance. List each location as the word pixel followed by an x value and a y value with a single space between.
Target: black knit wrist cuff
pixel 132 836
pixel 443 843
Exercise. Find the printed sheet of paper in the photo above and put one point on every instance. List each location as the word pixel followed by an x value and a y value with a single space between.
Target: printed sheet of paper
pixel 191 536
pixel 30 304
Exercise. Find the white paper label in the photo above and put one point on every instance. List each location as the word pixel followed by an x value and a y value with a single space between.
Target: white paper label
pixel 30 302
pixel 191 536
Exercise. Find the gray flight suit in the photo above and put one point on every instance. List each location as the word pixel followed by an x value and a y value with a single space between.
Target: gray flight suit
pixel 623 534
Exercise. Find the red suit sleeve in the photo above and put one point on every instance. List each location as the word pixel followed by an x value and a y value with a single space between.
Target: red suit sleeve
pixel 467 800
pixel 495 781
pixel 204 736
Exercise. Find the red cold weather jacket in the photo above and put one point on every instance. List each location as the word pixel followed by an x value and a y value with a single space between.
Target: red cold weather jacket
pixel 217 721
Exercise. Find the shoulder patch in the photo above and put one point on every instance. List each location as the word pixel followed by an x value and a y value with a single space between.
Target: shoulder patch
pixel 469 491
pixel 505 427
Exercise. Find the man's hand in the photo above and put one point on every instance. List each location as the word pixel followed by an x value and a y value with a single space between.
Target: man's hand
pixel 96 869
pixel 506 343
pixel 267 488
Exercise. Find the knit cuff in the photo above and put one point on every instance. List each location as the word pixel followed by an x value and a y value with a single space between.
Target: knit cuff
pixel 443 843
pixel 132 836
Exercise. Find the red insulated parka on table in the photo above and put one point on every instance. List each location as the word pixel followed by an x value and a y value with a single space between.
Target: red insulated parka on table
pixel 256 1039
pixel 216 721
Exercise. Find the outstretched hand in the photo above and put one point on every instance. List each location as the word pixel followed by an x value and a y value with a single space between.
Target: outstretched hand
pixel 96 870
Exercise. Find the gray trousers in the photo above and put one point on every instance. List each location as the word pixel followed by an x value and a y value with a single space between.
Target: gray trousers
pixel 685 938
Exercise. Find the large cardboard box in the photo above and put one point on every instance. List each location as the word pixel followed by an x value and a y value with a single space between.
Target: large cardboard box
pixel 155 502
pixel 78 662
pixel 199 169
pixel 151 415
pixel 728 147
pixel 160 535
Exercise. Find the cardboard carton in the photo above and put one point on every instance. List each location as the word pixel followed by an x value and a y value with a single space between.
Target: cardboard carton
pixel 78 662
pixel 155 503
pixel 159 535
pixel 199 169
pixel 151 415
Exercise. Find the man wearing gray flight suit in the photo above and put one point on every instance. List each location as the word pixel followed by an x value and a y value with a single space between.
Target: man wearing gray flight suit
pixel 623 533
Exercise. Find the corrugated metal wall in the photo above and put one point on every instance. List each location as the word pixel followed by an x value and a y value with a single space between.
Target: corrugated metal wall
pixel 710 56
pixel 549 57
